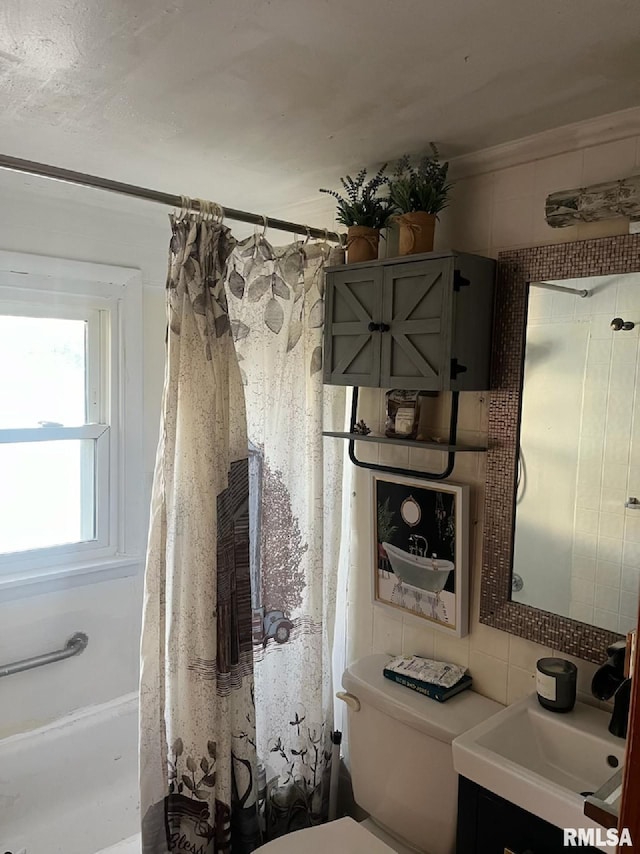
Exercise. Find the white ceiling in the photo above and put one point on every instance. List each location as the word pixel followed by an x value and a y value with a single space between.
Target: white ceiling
pixel 257 103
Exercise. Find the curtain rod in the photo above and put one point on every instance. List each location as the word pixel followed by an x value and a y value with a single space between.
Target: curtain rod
pixel 562 288
pixel 42 170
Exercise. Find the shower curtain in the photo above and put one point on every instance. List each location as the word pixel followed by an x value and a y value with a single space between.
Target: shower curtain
pixel 227 763
pixel 197 727
pixel 276 305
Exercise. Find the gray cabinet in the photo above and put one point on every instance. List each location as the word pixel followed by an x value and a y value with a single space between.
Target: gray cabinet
pixel 419 322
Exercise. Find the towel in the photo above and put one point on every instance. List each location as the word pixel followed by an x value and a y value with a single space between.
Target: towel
pixel 427 670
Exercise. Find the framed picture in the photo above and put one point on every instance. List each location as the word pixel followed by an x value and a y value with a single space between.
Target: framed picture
pixel 421 550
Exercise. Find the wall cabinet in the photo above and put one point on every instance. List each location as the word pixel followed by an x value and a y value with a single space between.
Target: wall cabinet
pixel 488 824
pixel 417 322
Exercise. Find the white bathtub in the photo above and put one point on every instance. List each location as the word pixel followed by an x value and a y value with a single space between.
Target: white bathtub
pixel 71 787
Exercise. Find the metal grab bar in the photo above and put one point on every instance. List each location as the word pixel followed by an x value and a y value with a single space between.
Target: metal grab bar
pixel 76 644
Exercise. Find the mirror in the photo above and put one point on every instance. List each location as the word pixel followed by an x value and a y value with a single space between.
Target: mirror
pixel 554 514
pixel 577 524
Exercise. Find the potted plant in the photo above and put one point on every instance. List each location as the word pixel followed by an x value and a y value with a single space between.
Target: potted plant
pixel 418 194
pixel 364 212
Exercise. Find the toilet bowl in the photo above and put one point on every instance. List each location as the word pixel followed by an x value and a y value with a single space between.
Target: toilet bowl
pixel 401 766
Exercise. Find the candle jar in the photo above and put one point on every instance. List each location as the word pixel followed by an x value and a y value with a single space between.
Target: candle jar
pixel 556 680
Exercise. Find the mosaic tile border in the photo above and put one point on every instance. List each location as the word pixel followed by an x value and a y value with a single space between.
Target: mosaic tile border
pixel 601 257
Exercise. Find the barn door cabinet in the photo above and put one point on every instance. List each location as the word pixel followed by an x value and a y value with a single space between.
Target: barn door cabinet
pixel 487 824
pixel 421 322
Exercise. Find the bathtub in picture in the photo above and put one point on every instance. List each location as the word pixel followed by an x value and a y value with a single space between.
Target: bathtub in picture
pixel 426 573
pixel 71 787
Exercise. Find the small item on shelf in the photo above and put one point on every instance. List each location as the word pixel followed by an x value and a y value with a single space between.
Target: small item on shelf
pixel 435 679
pixel 556 684
pixel 361 428
pixel 403 410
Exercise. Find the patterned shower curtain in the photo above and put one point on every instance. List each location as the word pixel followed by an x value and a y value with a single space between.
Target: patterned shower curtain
pixel 197 720
pixel 276 306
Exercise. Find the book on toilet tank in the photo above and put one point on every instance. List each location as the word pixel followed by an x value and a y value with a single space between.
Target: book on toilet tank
pixel 435 692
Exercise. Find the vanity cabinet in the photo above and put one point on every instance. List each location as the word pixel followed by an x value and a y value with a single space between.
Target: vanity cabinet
pixel 487 824
pixel 416 322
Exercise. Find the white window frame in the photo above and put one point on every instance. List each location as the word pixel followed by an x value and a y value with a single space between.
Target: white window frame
pixel 111 299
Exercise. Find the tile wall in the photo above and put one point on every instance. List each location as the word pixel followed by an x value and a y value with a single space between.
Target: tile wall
pixel 503 209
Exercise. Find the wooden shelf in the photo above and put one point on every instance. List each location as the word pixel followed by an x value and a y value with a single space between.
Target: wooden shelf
pixel 412 443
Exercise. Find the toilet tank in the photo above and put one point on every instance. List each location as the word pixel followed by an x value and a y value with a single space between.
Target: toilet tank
pixel 400 754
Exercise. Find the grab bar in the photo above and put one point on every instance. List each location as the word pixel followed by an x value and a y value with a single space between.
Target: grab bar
pixel 76 644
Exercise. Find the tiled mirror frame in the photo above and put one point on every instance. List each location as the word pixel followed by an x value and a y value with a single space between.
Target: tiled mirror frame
pixel 516 268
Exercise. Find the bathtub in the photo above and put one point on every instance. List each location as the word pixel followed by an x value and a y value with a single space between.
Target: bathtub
pixel 425 573
pixel 71 787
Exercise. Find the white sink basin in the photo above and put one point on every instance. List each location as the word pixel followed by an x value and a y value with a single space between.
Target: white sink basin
pixel 541 761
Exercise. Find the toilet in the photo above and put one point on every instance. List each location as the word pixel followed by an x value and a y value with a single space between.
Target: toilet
pixel 401 763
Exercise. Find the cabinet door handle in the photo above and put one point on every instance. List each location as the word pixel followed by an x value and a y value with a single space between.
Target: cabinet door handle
pixel 374 327
pixel 384 327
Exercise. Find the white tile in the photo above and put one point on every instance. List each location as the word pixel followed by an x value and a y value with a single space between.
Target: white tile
pixel 630 580
pixel 588 496
pixel 632 526
pixel 608 573
pixel 616 450
pixel 609 161
pixel 599 351
pixel 512 222
pixel 553 174
pixel 583 567
pixel 628 604
pixel 624 350
pixel 611 525
pixel 622 381
pixel 490 641
pixel 612 501
pixel 607 598
pixel 631 554
pixel 452 650
pixel 387 633
pixel 633 483
pixel 609 549
pixel 582 591
pixel 626 624
pixel 591 450
pixel 540 304
pixel 514 182
pixel 614 476
pixel 524 654
pixel 417 640
pixel 520 683
pixel 585 544
pixel 605 619
pixel 628 294
pixel 587 520
pixel 581 611
pixel 598 375
pixel 489 676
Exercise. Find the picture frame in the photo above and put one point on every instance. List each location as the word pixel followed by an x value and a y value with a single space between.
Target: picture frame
pixel 420 556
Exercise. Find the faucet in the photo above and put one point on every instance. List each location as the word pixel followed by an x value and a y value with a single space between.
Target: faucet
pixel 609 681
pixel 414 546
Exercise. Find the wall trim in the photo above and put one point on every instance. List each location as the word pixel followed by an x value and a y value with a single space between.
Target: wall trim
pixel 549 143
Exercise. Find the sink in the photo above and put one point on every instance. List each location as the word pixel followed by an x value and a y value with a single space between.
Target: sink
pixel 542 761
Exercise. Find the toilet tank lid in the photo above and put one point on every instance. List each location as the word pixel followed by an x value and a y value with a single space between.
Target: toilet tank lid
pixel 443 721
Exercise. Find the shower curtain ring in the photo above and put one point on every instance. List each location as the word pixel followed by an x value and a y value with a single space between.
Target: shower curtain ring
pixel 308 237
pixel 265 226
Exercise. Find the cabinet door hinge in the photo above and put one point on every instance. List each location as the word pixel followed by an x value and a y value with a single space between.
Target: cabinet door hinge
pixel 459 280
pixel 457 368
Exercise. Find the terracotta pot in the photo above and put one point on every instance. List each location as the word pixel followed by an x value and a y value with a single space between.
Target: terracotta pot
pixel 362 243
pixel 416 232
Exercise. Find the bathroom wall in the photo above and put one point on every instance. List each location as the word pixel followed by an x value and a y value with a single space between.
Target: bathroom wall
pixel 499 209
pixel 44 218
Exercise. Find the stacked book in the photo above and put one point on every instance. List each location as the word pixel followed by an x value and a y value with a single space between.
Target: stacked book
pixel 435 679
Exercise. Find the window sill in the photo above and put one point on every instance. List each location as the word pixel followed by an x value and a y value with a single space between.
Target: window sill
pixel 37 582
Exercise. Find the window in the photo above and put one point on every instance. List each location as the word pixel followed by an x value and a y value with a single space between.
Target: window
pixel 68 421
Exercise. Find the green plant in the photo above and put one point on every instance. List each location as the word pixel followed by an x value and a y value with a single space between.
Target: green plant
pixel 362 204
pixel 420 188
pixel 386 528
